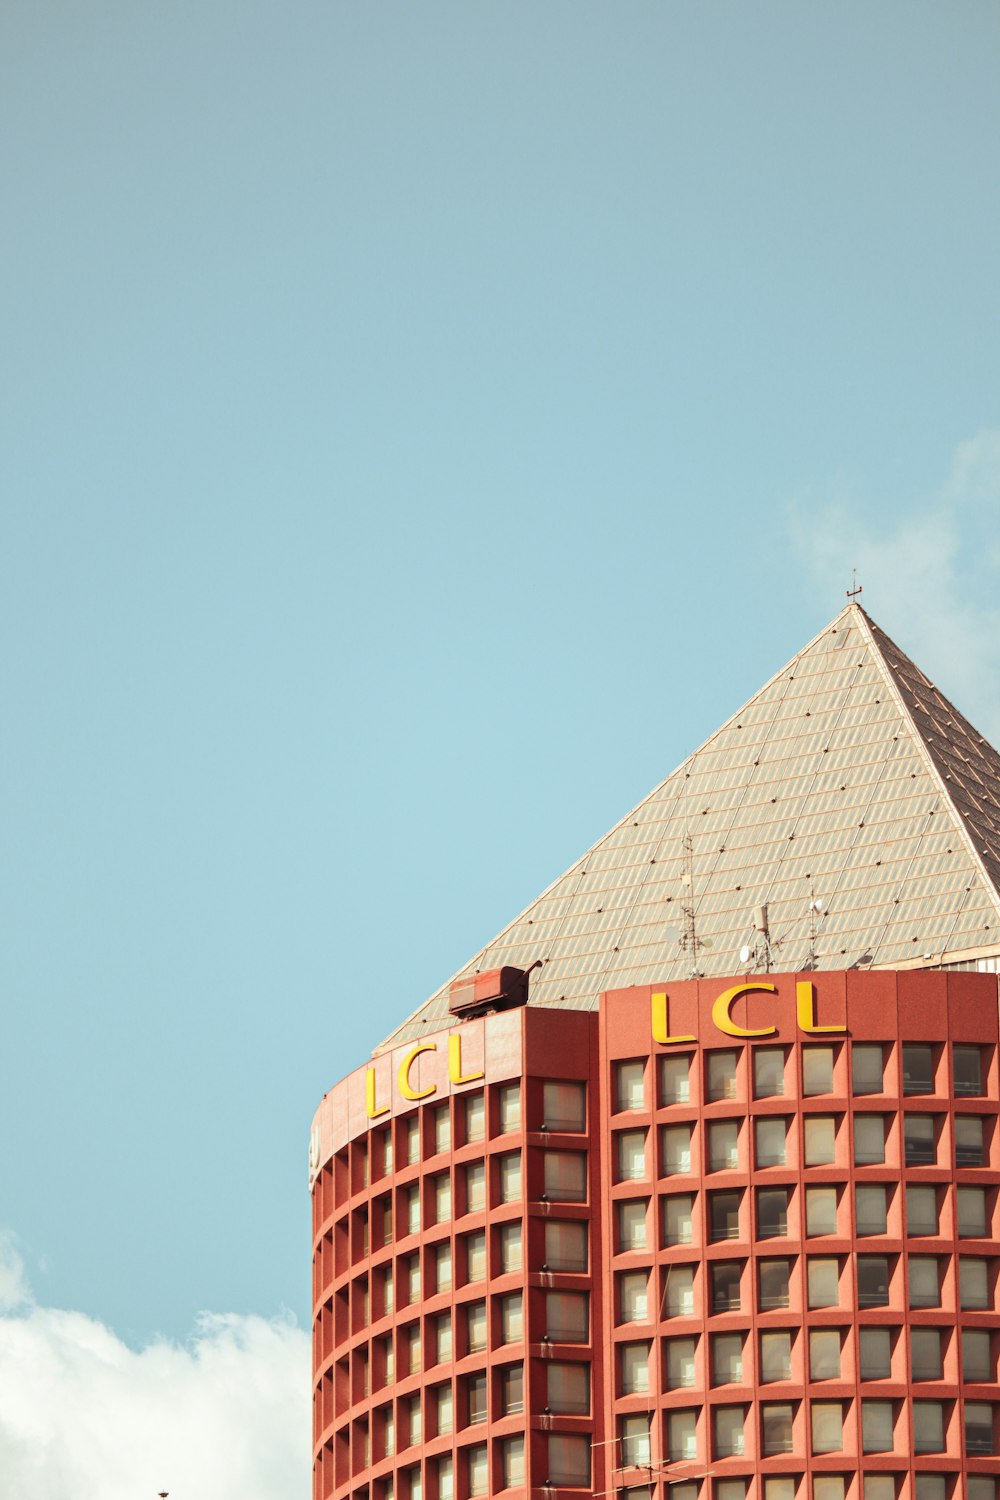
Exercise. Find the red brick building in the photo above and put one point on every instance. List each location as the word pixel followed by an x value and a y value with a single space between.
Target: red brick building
pixel 656 1217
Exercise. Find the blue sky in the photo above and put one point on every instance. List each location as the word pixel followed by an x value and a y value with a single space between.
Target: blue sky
pixel 421 425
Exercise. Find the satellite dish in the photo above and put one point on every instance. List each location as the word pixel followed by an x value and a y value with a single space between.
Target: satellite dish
pixel 745 954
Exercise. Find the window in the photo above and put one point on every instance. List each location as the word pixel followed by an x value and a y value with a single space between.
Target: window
pixel 977 1487
pixel 875 1353
pixel 388 1432
pixel 634 1439
pixel 680 1363
pixel 475 1187
pixel 931 1487
pixel 631 1155
pixel 768 1072
pixel 977 1359
pixel 631 1224
pixel 726 1285
pixel 442 1346
pixel 411 1270
pixel 411 1207
pixel 475 1327
pixel 410 1141
pixel 566 1317
pixel 475 1256
pixel 866 1068
pixel 474 1106
pixel 918 1068
pixel 881 1487
pixel 919 1146
pixel 869 1140
pixel 569 1460
pixel 876 1426
pixel 921 1210
pixel 512 1462
pixel 820 1131
pixel 928 1426
pixel 442 1129
pixel 682 1439
pixel 675 1080
pixel 779 1487
pixel 509 1108
pixel 973 1284
pixel 565 1246
pixel 724 1215
pixel 873 1281
pixel 827 1419
pixel 773 1283
pixel 510 1177
pixel 511 1258
pixel 727 1439
pixel 727 1358
pixel 978 1427
pixel 970 1148
pixel 723 1145
pixel 564 1106
pixel 772 1213
pixel 824 1354
pixel 634 1367
pixel 817 1070
pixel 967 1071
pixel 677 1223
pixel 388 1299
pixel 414 1421
pixel 676 1149
pixel 412 1482
pixel 443 1197
pixel 442 1408
pixel 720 1075
pixel 870 1209
pixel 445 1478
pixel 923 1281
pixel 769 1142
pixel 513 1389
pixel 477 1469
pixel 971 1213
pixel 411 1348
pixel 630 1089
pixel 475 1399
pixel 565 1176
pixel 828 1487
pixel 386 1139
pixel 822 1281
pixel 727 1489
pixel 633 1296
pixel 925 1354
pixel 680 1291
pixel 388 1360
pixel 776 1427
pixel 512 1318
pixel 776 1355
pixel 821 1210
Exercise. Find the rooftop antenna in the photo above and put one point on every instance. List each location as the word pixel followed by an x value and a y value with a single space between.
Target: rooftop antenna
pixel 855 588
pixel 689 940
pixel 817 911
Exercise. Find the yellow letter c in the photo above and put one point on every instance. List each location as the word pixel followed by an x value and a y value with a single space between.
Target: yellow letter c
pixel 405 1087
pixel 724 1004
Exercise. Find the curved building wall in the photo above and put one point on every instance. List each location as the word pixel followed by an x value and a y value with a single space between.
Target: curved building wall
pixel 734 1244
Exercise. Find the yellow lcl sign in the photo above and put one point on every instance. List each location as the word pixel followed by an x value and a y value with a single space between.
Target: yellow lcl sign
pixel 406 1088
pixel 722 1013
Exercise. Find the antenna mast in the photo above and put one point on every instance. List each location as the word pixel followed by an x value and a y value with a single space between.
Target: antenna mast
pixel 689 940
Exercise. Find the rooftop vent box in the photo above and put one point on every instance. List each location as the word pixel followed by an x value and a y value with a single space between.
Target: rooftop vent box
pixel 496 989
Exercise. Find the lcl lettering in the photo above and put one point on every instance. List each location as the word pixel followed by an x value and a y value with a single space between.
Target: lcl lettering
pixel 722 1013
pixel 404 1080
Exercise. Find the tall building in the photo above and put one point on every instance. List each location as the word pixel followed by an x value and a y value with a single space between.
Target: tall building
pixel 688 1182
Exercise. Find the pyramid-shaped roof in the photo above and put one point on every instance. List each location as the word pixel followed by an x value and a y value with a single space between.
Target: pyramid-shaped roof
pixel 847 779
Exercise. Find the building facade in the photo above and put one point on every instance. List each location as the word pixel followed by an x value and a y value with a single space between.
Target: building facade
pixel 723 1235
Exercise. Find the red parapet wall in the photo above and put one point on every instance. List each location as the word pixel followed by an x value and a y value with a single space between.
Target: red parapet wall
pixel 736 1238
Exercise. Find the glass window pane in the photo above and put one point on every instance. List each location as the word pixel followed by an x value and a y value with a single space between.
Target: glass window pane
pixel 776 1428
pixel 921 1210
pixel 681 1435
pixel 678 1224
pixel 779 1487
pixel 928 1426
pixel 923 1282
pixel 634 1440
pixel 967 1070
pixel 875 1353
pixel 725 1280
pixel 676 1149
pixel 919 1144
pixel 828 1487
pixel 776 1355
pixel 879 1487
pixel 723 1145
pixel 769 1140
pixel 869 1139
pixel 817 1070
pixel 675 1080
pixel 475 1326
pixel 768 1072
pixel 565 1176
pixel 512 1318
pixel 634 1367
pixel 823 1281
pixel 876 1426
pixel 568 1387
pixel 509 1107
pixel 511 1463
pixel 511 1258
pixel 564 1106
pixel 680 1363
pixel 930 1487
pixel 724 1215
pixel 475 1116
pixel 866 1068
pixel 978 1429
pixel 728 1433
pixel 631 1224
pixel 821 1210
pixel 568 1460
pixel 442 1129
pixel 971 1212
pixel 510 1177
pixel 973 1284
pixel 970 1146
pixel 633 1296
pixel 827 1420
pixel 977 1359
pixel 478 1469
pixel 443 1413
pixel 475 1256
pixel 565 1246
pixel 873 1281
pixel 824 1354
pixel 918 1068
pixel 870 1208
pixel 772 1212
pixel 630 1091
pixel 773 1283
pixel 680 1291
pixel 720 1075
pixel 925 1353
pixel 566 1317
pixel 727 1358
pixel 631 1146
pixel 475 1187
pixel 819 1140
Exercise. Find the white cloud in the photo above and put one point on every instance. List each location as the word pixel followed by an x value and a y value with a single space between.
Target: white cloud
pixel 226 1415
pixel 931 581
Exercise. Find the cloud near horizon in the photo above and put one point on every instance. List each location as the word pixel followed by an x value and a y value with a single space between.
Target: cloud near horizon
pixel 932 580
pixel 225 1415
